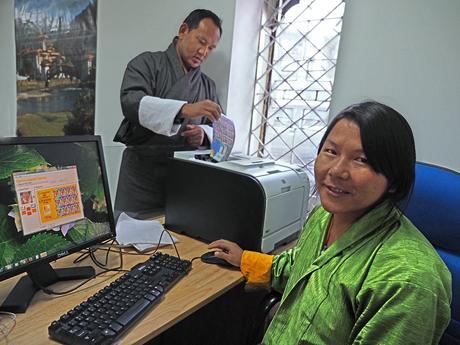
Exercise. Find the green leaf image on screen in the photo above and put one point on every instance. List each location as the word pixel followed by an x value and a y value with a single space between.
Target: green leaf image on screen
pixel 99 203
pixel 86 229
pixel 39 243
pixel 88 170
pixel 14 247
pixel 12 250
pixel 21 158
pixel 8 244
pixel 18 158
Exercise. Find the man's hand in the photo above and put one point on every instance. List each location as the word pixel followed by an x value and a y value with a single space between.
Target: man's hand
pixel 194 135
pixel 206 108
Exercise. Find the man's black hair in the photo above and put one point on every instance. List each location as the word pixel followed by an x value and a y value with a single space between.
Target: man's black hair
pixel 196 16
pixel 387 141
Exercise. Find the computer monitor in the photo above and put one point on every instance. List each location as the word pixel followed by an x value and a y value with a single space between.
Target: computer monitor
pixel 54 201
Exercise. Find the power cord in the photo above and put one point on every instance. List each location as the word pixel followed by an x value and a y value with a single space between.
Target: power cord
pixel 7 323
pixel 87 253
pixel 103 265
pixel 172 240
pixel 65 292
pixel 195 258
pixel 150 251
pixel 90 253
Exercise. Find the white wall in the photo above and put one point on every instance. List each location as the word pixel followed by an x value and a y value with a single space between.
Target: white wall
pixel 243 68
pixel 125 29
pixel 406 54
pixel 7 70
pixel 403 53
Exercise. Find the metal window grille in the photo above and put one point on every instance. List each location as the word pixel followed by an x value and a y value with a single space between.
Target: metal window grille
pixel 298 47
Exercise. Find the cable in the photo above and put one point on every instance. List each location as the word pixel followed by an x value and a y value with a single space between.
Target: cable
pixel 125 252
pixel 97 263
pixel 65 292
pixel 104 265
pixel 156 244
pixel 90 253
pixel 82 256
pixel 196 257
pixel 6 328
pixel 172 240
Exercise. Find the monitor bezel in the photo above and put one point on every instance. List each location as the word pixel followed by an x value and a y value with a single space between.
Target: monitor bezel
pixel 64 253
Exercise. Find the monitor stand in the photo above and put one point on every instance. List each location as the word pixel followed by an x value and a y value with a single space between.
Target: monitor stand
pixel 41 275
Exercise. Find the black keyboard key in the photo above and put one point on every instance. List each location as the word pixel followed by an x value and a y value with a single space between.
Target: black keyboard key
pixel 116 327
pixel 55 325
pixel 150 297
pixel 133 312
pixel 75 330
pixel 108 333
pixel 81 333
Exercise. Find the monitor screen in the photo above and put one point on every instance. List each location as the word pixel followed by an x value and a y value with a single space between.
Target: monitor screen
pixel 54 199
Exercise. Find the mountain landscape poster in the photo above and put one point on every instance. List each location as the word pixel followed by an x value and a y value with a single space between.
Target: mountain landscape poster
pixel 55 66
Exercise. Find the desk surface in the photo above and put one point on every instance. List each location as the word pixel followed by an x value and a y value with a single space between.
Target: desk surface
pixel 204 282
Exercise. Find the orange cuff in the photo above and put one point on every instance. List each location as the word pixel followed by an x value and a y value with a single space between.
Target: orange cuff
pixel 256 267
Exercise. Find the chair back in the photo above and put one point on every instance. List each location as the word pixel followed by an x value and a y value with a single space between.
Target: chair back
pixel 434 208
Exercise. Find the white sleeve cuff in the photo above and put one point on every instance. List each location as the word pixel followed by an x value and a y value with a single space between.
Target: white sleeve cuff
pixel 158 114
pixel 209 131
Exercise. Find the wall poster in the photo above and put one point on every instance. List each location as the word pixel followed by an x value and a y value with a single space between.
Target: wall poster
pixel 55 66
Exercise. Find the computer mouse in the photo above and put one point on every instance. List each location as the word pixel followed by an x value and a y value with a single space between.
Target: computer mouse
pixel 210 258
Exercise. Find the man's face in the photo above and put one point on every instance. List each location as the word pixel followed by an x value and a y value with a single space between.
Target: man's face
pixel 194 46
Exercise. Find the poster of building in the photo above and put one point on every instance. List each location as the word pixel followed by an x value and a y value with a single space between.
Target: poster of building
pixel 55 66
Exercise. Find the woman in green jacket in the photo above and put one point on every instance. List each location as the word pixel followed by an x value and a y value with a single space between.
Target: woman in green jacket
pixel 361 273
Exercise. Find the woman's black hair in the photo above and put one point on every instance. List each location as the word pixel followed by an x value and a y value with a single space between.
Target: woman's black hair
pixel 388 144
pixel 196 16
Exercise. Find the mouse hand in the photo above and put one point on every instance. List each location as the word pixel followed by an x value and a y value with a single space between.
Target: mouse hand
pixel 229 251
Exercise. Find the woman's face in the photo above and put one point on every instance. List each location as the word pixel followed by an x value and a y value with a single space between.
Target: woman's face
pixel 347 185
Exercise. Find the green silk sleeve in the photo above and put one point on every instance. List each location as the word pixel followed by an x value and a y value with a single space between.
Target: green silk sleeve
pixel 284 262
pixel 281 268
pixel 395 313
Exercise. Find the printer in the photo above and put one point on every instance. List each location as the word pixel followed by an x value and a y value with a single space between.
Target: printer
pixel 258 203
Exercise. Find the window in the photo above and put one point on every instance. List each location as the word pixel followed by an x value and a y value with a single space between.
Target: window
pixel 298 47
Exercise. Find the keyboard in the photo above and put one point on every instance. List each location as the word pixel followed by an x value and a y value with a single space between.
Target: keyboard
pixel 106 315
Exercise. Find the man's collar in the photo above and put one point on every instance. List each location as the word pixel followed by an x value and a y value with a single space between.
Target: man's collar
pixel 174 56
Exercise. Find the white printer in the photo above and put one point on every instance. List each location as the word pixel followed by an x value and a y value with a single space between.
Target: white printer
pixel 258 203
